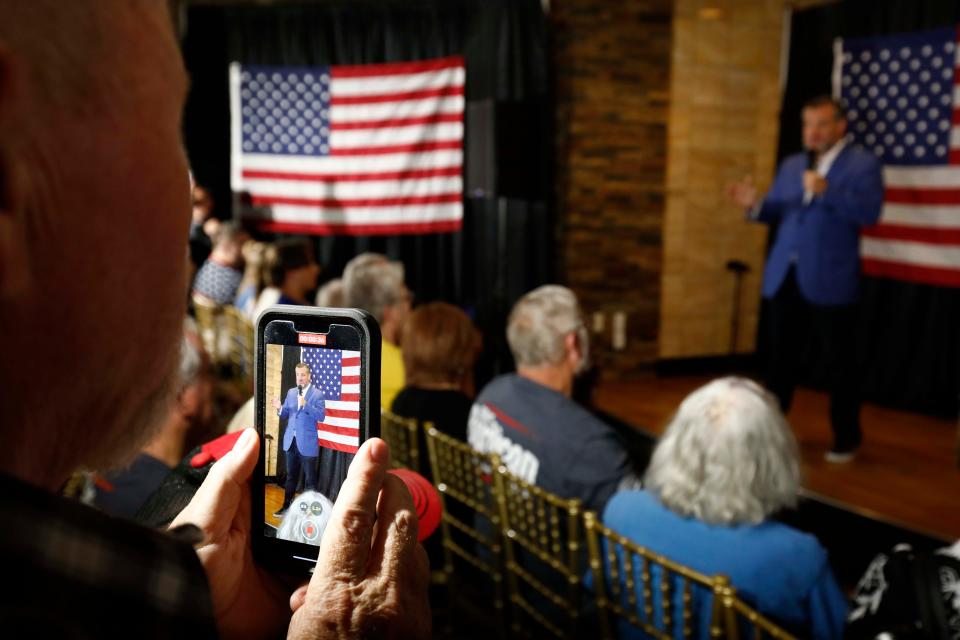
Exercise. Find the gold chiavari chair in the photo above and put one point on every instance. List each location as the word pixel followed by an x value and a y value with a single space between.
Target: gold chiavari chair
pixel 663 598
pixel 743 621
pixel 401 434
pixel 543 543
pixel 472 545
pixel 643 588
pixel 208 325
pixel 241 342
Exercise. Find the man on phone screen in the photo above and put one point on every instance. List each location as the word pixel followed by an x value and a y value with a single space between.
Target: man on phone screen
pixel 303 408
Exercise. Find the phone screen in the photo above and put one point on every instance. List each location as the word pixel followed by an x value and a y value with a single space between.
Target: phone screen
pixel 313 403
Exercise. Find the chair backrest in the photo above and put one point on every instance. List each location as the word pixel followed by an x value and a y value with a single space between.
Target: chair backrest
pixel 663 598
pixel 544 550
pixel 645 588
pixel 242 341
pixel 743 621
pixel 401 434
pixel 208 325
pixel 228 337
pixel 470 526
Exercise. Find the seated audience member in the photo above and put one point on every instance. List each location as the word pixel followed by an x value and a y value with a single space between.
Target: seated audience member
pixel 440 346
pixel 528 417
pixel 203 226
pixel 374 283
pixel 295 272
pixel 219 277
pixel 306 519
pixel 94 205
pixel 122 492
pixel 726 463
pixel 331 294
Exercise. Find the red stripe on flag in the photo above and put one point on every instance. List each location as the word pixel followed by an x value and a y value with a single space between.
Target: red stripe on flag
pixel 398 148
pixel 340 431
pixel 913 273
pixel 337 203
pixel 350 362
pixel 397 96
pixel 350 397
pixel 921 195
pixel 929 235
pixel 350 379
pixel 394 68
pixel 396 123
pixel 412 174
pixel 956 112
pixel 438 226
pixel 342 413
pixel 330 444
pixel 954 156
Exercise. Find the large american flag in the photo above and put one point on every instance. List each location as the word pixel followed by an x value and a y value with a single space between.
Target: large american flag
pixel 360 150
pixel 337 374
pixel 902 98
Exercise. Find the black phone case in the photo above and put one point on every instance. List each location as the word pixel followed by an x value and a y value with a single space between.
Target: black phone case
pixel 283 555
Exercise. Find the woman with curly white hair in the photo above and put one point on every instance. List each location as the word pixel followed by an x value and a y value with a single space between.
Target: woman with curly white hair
pixel 726 463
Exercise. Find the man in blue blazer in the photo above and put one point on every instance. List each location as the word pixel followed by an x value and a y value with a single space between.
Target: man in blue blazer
pixel 303 408
pixel 820 199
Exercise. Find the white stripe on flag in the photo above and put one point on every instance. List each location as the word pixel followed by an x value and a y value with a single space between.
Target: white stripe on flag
pixel 376 85
pixel 366 215
pixel 358 138
pixel 351 371
pixel 361 190
pixel 914 253
pixel 350 388
pixel 954 138
pixel 349 354
pixel 353 164
pixel 342 405
pixel 337 437
pixel 391 110
pixel 912 215
pixel 342 422
pixel 927 176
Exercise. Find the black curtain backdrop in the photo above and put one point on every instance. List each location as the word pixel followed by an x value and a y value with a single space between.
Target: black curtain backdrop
pixel 506 245
pixel 909 334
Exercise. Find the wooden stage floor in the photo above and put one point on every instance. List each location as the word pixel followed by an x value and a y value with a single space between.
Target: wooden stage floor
pixel 905 473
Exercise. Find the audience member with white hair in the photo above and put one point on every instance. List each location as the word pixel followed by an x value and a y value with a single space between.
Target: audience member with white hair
pixel 529 419
pixel 727 463
pixel 374 283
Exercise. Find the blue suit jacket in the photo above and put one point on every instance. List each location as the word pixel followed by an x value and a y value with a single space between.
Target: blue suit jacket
pixel 824 235
pixel 303 422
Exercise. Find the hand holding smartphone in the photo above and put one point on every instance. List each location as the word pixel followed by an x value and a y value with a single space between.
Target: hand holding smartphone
pixel 316 366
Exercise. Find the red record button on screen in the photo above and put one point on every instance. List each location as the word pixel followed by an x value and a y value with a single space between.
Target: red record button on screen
pixel 312 338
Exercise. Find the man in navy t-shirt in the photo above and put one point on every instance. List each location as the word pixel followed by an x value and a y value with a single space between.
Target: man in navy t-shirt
pixel 529 419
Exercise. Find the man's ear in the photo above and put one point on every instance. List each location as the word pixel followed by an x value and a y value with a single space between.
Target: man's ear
pixel 572 346
pixel 15 273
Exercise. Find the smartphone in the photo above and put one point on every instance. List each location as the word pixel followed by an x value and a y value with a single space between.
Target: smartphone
pixel 317 397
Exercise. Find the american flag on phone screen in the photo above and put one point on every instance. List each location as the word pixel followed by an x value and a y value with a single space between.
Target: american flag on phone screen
pixel 337 374
pixel 361 150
